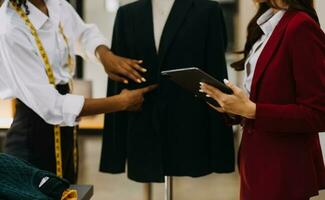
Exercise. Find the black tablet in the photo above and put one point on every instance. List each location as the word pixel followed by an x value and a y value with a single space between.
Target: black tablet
pixel 190 78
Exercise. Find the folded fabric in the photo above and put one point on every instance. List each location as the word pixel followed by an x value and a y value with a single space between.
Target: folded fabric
pixel 21 181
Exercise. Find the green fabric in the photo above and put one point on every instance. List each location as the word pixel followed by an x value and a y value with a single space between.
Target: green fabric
pixel 20 181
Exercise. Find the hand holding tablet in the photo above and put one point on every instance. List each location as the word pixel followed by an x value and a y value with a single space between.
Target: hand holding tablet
pixel 190 79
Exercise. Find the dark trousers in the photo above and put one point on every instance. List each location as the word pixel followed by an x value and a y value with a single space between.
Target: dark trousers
pixel 32 139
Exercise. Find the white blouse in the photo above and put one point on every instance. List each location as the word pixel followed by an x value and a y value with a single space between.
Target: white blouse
pixel 268 22
pixel 22 69
pixel 161 10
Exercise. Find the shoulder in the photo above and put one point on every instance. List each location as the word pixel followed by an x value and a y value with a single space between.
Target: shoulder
pixel 300 17
pixel 131 6
pixel 63 6
pixel 208 5
pixel 208 8
pixel 304 30
pixel 9 19
pixel 63 3
pixel 129 11
pixel 302 23
pixel 13 29
pixel 15 37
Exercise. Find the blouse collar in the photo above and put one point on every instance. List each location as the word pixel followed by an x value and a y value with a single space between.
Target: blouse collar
pixel 269 20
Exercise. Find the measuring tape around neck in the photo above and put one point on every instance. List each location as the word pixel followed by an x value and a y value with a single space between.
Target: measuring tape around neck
pixel 50 75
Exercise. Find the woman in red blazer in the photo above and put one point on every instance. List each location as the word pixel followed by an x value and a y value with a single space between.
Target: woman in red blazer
pixel 280 155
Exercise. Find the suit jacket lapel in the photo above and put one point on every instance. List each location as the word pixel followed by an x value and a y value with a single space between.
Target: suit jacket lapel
pixel 174 22
pixel 144 28
pixel 269 51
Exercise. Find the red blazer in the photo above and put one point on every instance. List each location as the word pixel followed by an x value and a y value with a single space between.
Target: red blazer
pixel 280 155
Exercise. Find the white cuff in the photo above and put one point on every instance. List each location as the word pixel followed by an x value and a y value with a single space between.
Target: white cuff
pixel 91 50
pixel 72 106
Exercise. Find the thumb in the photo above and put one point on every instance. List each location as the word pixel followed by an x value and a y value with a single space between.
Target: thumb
pixel 233 87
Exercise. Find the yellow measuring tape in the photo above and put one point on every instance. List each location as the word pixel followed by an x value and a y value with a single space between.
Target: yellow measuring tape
pixel 50 75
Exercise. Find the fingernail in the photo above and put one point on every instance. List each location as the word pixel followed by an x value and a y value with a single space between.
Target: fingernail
pixel 139 80
pixel 201 91
pixel 140 61
pixel 143 80
pixel 144 70
pixel 125 82
pixel 201 83
pixel 208 95
pixel 225 81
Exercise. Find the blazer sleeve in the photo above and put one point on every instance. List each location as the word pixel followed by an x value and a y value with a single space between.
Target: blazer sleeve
pixel 220 133
pixel 215 52
pixel 216 44
pixel 307 53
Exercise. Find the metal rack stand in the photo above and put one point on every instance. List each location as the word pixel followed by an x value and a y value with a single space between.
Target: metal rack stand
pixel 168 188
pixel 148 191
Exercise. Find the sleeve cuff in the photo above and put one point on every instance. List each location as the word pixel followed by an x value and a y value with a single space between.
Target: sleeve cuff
pixel 72 107
pixel 91 50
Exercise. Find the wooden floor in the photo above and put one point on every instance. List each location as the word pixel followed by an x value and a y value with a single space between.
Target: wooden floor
pixel 118 187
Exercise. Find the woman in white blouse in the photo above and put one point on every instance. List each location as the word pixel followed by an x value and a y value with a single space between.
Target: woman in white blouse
pixel 38 42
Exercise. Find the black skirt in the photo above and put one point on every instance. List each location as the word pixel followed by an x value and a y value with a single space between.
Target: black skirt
pixel 32 139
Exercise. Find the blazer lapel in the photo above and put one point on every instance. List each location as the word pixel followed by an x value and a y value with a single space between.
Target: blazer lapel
pixel 174 22
pixel 144 31
pixel 269 51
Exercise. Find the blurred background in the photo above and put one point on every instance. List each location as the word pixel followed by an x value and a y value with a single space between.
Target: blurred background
pixel 93 82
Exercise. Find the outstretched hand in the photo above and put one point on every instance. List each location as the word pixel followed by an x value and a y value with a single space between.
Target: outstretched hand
pixel 119 68
pixel 134 98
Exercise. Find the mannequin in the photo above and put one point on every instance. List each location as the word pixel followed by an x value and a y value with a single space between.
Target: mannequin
pixel 175 134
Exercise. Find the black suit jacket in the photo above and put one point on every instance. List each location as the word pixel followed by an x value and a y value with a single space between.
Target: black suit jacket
pixel 175 134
